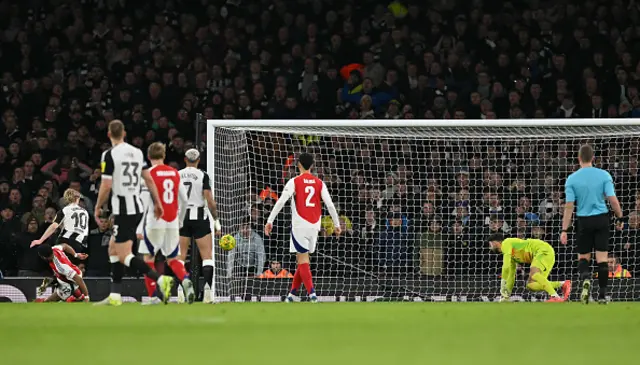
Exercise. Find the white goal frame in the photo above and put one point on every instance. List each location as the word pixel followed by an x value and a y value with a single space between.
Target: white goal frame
pixel 212 124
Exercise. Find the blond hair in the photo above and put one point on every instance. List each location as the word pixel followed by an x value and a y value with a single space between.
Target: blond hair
pixel 70 196
pixel 156 151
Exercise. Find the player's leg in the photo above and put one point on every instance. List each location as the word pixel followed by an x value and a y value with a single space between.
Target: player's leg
pixel 53 298
pixel 153 238
pixel 538 275
pixel 148 255
pixel 117 272
pixel 303 244
pixel 171 251
pixel 585 243
pixel 601 245
pixel 204 241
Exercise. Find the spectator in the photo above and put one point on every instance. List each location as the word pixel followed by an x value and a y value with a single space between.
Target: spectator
pixel 615 268
pixel 98 248
pixel 275 271
pixel 431 250
pixel 249 255
pixel 393 246
pixel 29 263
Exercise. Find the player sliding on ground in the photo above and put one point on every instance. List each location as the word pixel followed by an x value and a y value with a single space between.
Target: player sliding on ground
pixel 539 254
pixel 70 285
pixel 306 212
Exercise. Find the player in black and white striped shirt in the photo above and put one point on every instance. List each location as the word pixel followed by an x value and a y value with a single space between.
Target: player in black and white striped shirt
pixel 123 169
pixel 196 222
pixel 73 221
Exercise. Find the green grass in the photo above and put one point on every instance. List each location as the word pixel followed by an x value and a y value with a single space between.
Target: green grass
pixel 330 333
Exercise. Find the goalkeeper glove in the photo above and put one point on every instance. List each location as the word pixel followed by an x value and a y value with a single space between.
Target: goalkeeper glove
pixel 216 225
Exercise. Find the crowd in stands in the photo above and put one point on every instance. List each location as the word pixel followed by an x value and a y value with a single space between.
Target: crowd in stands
pixel 68 67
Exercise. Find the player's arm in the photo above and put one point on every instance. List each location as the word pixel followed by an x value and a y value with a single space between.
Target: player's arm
pixel 287 193
pixel 508 275
pixel 153 191
pixel 570 199
pixel 83 287
pixel 183 200
pixel 328 202
pixel 107 167
pixel 211 203
pixel 71 252
pixel 610 193
pixel 50 230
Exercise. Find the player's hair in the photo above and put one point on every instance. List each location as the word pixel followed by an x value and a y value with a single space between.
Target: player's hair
pixel 116 129
pixel 586 153
pixel 44 250
pixel 70 196
pixel 306 160
pixel 156 151
pixel 496 237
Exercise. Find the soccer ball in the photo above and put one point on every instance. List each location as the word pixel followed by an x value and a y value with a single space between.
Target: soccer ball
pixel 227 242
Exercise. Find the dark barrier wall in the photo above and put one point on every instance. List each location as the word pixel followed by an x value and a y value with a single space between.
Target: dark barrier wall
pixel 21 290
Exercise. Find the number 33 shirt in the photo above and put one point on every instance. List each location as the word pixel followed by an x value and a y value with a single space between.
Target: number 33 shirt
pixel 123 164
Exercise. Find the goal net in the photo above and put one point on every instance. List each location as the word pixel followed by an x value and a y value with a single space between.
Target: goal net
pixel 416 203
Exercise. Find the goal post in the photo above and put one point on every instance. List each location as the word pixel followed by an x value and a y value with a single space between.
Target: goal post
pixel 417 200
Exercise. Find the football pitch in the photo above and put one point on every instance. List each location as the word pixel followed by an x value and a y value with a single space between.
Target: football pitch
pixel 328 333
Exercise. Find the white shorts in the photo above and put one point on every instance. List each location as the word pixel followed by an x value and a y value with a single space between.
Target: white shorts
pixel 303 240
pixel 140 228
pixel 64 290
pixel 165 240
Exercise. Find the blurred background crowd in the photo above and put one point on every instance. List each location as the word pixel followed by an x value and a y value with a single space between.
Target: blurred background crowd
pixel 68 67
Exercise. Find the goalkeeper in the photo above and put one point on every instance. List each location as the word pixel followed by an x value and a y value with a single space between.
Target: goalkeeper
pixel 539 254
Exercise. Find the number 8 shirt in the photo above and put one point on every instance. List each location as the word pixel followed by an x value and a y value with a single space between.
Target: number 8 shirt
pixel 162 234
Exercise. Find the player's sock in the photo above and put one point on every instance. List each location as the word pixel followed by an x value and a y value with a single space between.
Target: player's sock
pixel 603 278
pixel 546 285
pixel 117 272
pixel 149 283
pixel 584 269
pixel 141 267
pixel 297 281
pixel 305 275
pixel 207 272
pixel 178 269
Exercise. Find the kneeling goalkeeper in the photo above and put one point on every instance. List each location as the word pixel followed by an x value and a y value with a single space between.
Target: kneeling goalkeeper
pixel 539 254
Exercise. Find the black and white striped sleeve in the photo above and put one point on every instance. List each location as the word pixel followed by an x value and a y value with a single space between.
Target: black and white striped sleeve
pixel 206 184
pixel 106 164
pixel 59 217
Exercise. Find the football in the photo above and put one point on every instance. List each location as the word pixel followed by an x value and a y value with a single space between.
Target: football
pixel 227 242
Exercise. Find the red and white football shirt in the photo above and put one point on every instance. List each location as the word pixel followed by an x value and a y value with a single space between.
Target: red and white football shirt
pixel 308 192
pixel 171 192
pixel 62 267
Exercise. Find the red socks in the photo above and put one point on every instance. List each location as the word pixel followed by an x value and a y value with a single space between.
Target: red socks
pixel 149 283
pixel 297 281
pixel 305 275
pixel 178 269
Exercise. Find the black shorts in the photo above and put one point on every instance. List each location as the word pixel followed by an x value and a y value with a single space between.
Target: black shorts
pixel 592 233
pixel 77 246
pixel 195 228
pixel 125 226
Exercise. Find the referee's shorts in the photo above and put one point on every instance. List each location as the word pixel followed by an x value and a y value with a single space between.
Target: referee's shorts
pixel 593 233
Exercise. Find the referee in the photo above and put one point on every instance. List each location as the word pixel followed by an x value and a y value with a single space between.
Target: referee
pixel 587 188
